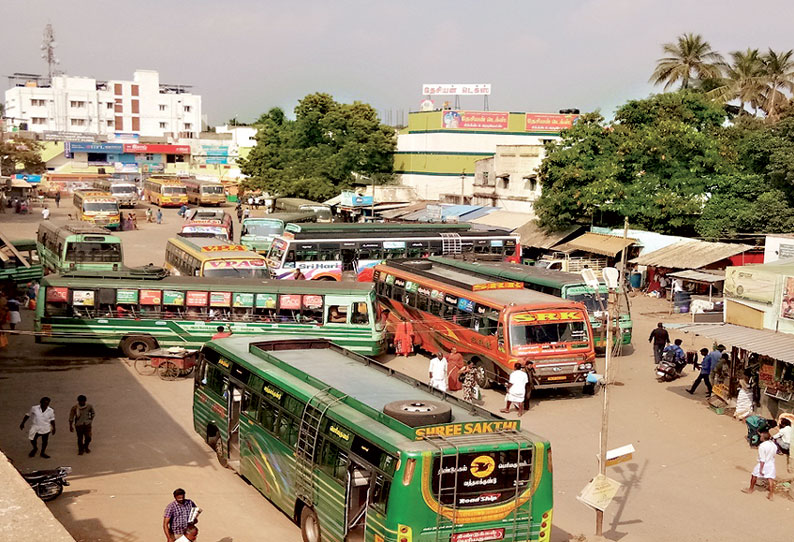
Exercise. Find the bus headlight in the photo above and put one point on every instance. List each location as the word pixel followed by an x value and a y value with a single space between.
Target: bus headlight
pixel 585 366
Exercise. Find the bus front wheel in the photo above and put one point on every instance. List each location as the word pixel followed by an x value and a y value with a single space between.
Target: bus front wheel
pixel 310 525
pixel 137 346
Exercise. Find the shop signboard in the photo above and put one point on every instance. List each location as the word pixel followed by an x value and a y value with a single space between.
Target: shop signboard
pixel 599 492
pixel 551 123
pixel 72 147
pixel 68 136
pixel 266 301
pixel 351 199
pixel 474 120
pixel 140 148
pixel 456 89
pixel 749 284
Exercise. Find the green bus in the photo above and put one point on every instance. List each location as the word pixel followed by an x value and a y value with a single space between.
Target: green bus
pixel 568 286
pixel 259 229
pixel 19 261
pixel 352 450
pixel 70 246
pixel 138 311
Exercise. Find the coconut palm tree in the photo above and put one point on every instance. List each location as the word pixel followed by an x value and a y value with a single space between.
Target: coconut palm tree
pixel 743 80
pixel 689 60
pixel 779 80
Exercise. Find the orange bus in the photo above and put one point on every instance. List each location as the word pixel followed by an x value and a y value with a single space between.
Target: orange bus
pixel 495 323
pixel 165 192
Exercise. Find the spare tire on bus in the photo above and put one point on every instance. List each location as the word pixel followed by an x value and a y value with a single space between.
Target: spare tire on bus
pixel 419 413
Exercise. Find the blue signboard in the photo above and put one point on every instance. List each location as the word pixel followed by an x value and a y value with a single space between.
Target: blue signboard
pixel 465 305
pixel 72 147
pixel 215 151
pixel 216 160
pixel 32 179
pixel 351 199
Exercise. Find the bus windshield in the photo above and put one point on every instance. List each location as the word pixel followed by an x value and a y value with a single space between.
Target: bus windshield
pixel 101 206
pixel 174 190
pixel 122 189
pixel 277 250
pixel 79 251
pixel 589 301
pixel 205 231
pixel 212 189
pixel 526 330
pixel 266 228
pixel 323 213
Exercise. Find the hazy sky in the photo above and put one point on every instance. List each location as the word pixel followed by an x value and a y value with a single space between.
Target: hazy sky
pixel 245 56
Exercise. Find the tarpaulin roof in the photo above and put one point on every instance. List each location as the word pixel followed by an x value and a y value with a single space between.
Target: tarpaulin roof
pixel 761 341
pixel 597 243
pixel 533 236
pixel 708 277
pixel 504 219
pixel 692 254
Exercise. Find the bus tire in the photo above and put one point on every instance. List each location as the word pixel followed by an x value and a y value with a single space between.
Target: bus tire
pixel 418 413
pixel 325 278
pixel 137 346
pixel 223 461
pixel 310 525
pixel 491 376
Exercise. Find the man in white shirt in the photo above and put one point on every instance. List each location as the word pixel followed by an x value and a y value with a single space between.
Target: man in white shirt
pixel 765 468
pixel 516 389
pixel 42 423
pixel 438 372
pixel 783 437
pixel 190 535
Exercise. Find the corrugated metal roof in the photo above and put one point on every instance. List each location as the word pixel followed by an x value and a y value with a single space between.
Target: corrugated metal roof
pixel 692 254
pixel 504 219
pixel 709 277
pixel 477 213
pixel 597 243
pixel 398 213
pixel 761 341
pixel 532 236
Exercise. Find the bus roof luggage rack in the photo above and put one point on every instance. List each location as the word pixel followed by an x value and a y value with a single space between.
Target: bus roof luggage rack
pixel 146 272
pixel 83 229
pixel 450 243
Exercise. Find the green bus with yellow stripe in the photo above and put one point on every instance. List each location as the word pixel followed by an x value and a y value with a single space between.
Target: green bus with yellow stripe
pixel 352 450
pixel 138 311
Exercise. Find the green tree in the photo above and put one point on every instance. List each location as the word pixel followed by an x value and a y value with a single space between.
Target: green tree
pixel 743 80
pixel 779 80
pixel 321 152
pixel 689 60
pixel 652 164
pixel 21 152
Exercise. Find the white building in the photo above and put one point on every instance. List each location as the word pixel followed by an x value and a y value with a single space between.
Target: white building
pixel 83 105
pixel 242 136
pixel 509 178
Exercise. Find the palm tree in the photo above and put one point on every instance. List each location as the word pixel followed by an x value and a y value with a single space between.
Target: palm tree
pixel 743 80
pixel 689 60
pixel 778 79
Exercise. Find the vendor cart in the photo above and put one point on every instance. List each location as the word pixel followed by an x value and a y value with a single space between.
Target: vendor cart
pixel 169 363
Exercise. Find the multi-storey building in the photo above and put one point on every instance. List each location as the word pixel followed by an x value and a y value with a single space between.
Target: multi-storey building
pixel 83 105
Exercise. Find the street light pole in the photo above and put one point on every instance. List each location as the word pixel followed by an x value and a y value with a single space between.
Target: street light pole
pixel 602 456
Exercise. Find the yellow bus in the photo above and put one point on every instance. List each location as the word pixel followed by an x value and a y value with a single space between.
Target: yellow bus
pixel 99 208
pixel 204 192
pixel 202 257
pixel 165 192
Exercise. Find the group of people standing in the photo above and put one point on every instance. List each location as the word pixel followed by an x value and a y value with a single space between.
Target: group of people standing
pixel 42 425
pixel 452 373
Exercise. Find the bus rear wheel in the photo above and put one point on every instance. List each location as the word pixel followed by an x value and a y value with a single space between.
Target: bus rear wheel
pixel 137 346
pixel 310 525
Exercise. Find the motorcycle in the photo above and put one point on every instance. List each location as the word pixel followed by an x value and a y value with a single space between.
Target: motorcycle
pixel 48 484
pixel 669 368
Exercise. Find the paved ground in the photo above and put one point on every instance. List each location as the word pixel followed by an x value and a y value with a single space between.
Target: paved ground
pixel 683 483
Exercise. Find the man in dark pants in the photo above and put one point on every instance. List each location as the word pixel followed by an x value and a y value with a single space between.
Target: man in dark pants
pixel 80 418
pixel 660 338
pixel 705 370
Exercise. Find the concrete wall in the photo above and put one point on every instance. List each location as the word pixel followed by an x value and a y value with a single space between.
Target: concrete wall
pixel 778 247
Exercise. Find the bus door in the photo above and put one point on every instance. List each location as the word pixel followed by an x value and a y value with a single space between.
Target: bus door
pixel 349 257
pixel 234 399
pixel 357 494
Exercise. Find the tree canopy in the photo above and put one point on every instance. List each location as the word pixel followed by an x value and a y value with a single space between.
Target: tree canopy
pixel 21 152
pixel 323 151
pixel 671 163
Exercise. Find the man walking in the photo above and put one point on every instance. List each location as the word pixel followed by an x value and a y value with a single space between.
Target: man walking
pixel 42 424
pixel 178 516
pixel 58 199
pixel 80 418
pixel 660 338
pixel 705 370
pixel 516 390
pixel 159 216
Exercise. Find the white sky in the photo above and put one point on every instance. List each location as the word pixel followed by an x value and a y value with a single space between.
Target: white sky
pixel 245 56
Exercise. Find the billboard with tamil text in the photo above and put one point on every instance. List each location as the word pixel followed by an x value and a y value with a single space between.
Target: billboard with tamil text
pixel 474 120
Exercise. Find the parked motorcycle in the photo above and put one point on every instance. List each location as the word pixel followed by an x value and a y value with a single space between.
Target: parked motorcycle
pixel 48 484
pixel 669 368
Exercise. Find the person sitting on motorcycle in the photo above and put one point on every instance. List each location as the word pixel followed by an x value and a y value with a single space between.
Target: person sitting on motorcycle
pixel 677 353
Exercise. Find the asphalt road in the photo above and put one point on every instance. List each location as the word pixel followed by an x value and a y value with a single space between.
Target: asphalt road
pixel 682 484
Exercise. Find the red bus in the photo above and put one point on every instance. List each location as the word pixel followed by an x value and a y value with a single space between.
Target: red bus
pixel 496 323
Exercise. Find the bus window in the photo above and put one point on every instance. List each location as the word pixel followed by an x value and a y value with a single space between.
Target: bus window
pixel 360 315
pixel 329 254
pixel 337 314
pixel 500 336
pixel 312 316
pixel 380 493
pixel 308 255
pixel 422 302
pixel 290 260
pixel 216 380
pixel 464 318
pixel 250 403
pixel 329 456
pixel 287 429
pixel 435 308
pixel 267 416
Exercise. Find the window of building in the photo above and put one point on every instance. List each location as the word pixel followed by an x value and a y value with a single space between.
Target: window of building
pixel 119 123
pixel 485 178
pixel 77 122
pixel 149 157
pixel 187 109
pixel 134 89
pixel 110 105
pixel 188 126
pixel 117 89
pixel 38 103
pixel 78 104
pixel 136 124
pixel 38 120
pixel 164 125
pixel 136 107
pixel 163 107
pixel 504 181
pixel 110 123
pixel 532 183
